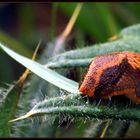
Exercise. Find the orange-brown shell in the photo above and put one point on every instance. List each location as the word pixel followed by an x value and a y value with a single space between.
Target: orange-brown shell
pixel 117 73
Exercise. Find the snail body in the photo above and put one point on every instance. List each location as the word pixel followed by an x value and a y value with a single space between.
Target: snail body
pixel 113 74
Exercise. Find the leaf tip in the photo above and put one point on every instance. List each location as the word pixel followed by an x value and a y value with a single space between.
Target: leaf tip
pixel 21 118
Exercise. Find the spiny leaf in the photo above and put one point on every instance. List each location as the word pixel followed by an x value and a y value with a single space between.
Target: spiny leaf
pixel 99 49
pixel 52 102
pixel 122 44
pixel 73 105
pixel 131 32
pixel 7 109
pixel 83 57
pixel 69 63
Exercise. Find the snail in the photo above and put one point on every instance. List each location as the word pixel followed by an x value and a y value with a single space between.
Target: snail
pixel 113 74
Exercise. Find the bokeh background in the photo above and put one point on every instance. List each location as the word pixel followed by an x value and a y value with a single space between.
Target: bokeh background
pixel 22 25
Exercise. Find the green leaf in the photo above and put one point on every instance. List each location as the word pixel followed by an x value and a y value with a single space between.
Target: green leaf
pixel 82 57
pixel 128 41
pixel 68 63
pixel 73 105
pixel 131 32
pixel 45 73
pixel 8 109
pixel 99 49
